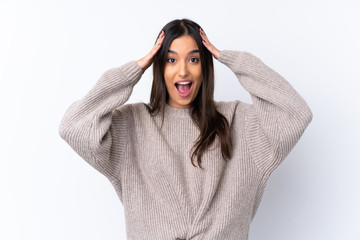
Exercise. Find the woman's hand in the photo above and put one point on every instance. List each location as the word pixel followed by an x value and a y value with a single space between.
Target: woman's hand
pixel 146 61
pixel 214 51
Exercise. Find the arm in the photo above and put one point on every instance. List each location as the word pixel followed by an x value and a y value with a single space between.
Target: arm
pixel 278 116
pixel 87 124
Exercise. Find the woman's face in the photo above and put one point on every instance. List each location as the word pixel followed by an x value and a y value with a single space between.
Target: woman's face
pixel 182 72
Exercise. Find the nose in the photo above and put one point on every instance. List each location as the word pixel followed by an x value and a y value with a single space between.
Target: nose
pixel 183 69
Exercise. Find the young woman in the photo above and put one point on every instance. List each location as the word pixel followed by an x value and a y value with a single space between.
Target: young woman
pixel 185 166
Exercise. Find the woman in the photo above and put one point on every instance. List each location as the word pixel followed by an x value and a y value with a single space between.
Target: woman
pixel 148 151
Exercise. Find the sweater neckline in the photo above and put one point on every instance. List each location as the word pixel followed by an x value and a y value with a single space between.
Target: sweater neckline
pixel 177 112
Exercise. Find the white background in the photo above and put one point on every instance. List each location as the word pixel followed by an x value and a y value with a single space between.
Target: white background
pixel 52 52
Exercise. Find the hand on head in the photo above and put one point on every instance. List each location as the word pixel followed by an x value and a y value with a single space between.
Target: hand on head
pixel 214 51
pixel 146 61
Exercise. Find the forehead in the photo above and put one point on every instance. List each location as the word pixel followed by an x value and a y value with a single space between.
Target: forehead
pixel 183 44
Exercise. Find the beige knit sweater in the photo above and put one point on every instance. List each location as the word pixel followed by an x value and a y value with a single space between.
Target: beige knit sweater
pixel 164 196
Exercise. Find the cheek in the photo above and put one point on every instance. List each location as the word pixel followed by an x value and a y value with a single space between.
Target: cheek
pixel 198 74
pixel 168 77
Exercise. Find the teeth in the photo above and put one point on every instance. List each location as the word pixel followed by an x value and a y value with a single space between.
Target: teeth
pixel 183 83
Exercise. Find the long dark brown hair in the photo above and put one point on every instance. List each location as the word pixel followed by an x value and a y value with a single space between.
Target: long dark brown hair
pixel 210 122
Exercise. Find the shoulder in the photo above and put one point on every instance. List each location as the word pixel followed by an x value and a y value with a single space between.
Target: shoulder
pixel 131 107
pixel 236 112
pixel 128 109
pixel 140 109
pixel 231 108
pixel 128 114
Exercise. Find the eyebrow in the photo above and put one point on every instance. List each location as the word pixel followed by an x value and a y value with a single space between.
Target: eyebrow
pixel 191 52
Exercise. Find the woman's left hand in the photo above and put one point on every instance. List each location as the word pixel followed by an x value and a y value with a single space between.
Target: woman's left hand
pixel 214 51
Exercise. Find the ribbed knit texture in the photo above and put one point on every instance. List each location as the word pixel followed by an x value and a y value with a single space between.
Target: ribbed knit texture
pixel 164 196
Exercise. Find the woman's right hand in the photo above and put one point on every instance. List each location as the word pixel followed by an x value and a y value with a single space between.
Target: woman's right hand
pixel 146 61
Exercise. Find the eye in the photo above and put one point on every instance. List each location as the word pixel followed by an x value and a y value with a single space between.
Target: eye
pixel 194 60
pixel 171 60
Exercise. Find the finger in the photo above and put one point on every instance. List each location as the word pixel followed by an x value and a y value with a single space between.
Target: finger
pixel 158 44
pixel 203 35
pixel 205 40
pixel 160 38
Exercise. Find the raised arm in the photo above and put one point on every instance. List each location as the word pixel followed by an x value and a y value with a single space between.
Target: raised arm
pixel 278 116
pixel 87 124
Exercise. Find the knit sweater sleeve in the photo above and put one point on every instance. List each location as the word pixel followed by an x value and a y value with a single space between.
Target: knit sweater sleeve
pixel 278 115
pixel 86 124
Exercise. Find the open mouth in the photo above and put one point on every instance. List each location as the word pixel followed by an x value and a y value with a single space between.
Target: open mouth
pixel 184 88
